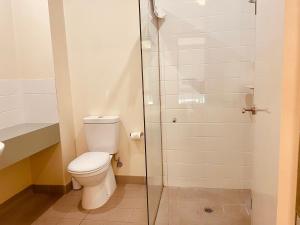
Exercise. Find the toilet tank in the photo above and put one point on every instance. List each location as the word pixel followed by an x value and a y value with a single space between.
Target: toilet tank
pixel 102 133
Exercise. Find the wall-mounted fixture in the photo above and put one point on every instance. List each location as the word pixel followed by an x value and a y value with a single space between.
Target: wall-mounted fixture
pixel 250 88
pixel 254 110
pixel 254 2
pixel 118 160
pixel 158 10
pixel 137 135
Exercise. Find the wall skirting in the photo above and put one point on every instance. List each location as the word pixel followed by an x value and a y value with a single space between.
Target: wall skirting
pixel 56 189
pixel 53 189
pixel 63 189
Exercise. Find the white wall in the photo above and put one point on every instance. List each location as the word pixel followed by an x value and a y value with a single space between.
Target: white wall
pixel 207 60
pixel 268 94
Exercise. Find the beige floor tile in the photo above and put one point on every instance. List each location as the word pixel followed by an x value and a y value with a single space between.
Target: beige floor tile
pixel 179 206
pixel 53 213
pixel 236 215
pixel 130 191
pixel 98 214
pixel 162 217
pixel 127 203
pixel 65 211
pixel 120 215
pixel 231 197
pixel 185 206
pixel 76 212
pixel 114 215
pixel 138 216
pixel 46 221
pixel 93 222
pixel 69 222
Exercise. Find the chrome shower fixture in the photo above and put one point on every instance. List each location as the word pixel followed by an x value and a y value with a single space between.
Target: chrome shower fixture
pixel 254 2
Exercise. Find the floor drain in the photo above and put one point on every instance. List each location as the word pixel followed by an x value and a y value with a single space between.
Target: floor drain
pixel 208 210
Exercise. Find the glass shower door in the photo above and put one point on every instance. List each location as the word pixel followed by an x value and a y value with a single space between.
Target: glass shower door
pixel 152 112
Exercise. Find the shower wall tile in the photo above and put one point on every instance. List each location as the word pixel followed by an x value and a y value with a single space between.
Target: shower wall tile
pixel 170 73
pixel 207 60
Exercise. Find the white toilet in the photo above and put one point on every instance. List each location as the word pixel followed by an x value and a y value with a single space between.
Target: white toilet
pixel 93 169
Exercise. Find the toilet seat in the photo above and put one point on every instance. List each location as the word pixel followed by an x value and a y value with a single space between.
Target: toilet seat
pixel 89 162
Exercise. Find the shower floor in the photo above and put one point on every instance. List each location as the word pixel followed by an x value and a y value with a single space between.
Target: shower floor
pixel 187 206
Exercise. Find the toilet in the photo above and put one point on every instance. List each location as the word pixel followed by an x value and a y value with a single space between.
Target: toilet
pixel 93 169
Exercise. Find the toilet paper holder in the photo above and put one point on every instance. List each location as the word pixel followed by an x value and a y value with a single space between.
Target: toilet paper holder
pixel 137 135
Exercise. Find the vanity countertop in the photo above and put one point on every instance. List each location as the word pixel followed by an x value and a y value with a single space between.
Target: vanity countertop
pixel 21 129
pixel 24 140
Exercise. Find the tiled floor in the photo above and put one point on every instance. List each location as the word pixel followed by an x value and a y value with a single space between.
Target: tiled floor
pixel 185 206
pixel 179 206
pixel 126 207
pixel 26 207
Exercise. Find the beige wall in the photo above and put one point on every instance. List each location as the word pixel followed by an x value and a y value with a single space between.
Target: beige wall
pixel 44 168
pixel 32 39
pixel 25 45
pixel 290 117
pixel 62 78
pixel 14 179
pixel 7 44
pixel 105 71
pixel 98 86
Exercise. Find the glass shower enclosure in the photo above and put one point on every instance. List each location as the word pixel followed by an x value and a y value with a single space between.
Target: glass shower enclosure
pixel 206 53
pixel 152 112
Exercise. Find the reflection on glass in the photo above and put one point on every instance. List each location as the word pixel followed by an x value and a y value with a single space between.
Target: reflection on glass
pixel 201 2
pixel 199 99
pixel 151 87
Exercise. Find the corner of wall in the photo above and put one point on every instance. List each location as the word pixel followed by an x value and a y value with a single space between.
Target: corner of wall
pixel 61 68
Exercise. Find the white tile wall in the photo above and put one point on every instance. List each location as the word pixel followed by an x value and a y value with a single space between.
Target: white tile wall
pixel 207 59
pixel 27 101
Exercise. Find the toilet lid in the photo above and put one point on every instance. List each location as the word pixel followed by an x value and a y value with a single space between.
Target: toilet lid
pixel 89 161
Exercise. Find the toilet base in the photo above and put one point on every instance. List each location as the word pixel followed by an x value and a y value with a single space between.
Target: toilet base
pixel 96 196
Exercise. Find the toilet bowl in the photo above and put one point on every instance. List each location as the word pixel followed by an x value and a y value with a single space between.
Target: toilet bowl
pixel 94 172
pixel 93 169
